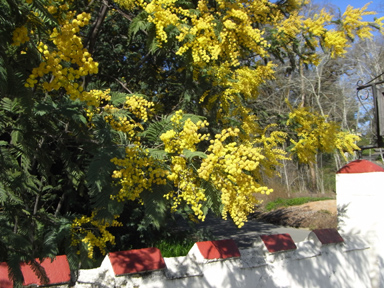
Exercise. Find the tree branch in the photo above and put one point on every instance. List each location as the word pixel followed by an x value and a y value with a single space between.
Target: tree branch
pixel 120 82
pixel 59 205
pixel 91 40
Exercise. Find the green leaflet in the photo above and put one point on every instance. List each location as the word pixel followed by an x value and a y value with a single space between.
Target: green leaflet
pixel 155 129
pixel 158 154
pixel 139 23
pixel 156 206
pixel 192 154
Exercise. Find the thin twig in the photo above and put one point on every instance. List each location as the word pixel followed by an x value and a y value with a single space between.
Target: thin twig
pixel 120 82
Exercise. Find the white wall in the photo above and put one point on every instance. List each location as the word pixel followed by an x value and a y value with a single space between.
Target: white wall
pixel 360 197
pixel 310 265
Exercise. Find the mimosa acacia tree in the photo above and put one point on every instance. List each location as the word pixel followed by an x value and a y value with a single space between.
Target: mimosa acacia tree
pixel 108 102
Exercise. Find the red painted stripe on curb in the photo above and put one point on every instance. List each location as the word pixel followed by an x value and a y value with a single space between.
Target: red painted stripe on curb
pixel 278 242
pixel 360 166
pixel 4 280
pixel 57 271
pixel 220 249
pixel 328 236
pixel 136 261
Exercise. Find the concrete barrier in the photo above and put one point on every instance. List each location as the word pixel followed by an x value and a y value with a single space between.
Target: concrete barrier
pixel 324 259
pixel 360 197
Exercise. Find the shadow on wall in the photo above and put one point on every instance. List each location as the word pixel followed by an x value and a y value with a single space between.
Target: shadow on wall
pixel 222 265
pixel 342 216
pixel 340 263
pixel 332 269
pixel 324 260
pixel 147 259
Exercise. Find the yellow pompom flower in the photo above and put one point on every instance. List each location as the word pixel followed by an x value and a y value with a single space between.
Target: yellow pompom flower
pixel 93 232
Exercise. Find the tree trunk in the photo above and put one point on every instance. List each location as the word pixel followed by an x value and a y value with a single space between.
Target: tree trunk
pixel 312 170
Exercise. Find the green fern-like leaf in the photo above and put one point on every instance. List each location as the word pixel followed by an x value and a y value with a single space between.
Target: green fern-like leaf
pixel 192 154
pixel 156 206
pixel 213 202
pixel 118 98
pixel 194 118
pixel 140 22
pixel 155 129
pixel 158 154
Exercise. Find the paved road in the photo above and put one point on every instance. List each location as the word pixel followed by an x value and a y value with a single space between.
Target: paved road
pixel 221 229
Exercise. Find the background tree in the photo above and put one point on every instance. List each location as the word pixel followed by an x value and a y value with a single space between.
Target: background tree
pixel 328 88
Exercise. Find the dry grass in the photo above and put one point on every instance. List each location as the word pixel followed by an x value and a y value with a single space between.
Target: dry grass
pixel 280 191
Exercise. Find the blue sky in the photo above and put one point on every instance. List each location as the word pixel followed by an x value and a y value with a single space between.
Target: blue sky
pixel 376 5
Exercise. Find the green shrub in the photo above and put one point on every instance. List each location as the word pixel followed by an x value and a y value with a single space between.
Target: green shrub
pixel 174 247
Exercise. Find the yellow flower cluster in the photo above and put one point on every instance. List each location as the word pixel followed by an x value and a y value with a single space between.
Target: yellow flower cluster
pixel 335 42
pixel 123 124
pixel 204 46
pixel 316 134
pixel 95 97
pixel 233 169
pixel 127 4
pixel 176 142
pixel 379 23
pixel 163 13
pixel 52 9
pixel 176 118
pixel 183 175
pixel 20 36
pixel 139 107
pixel 346 142
pixel 66 60
pixel 248 80
pixel 352 23
pixel 232 176
pixel 291 26
pixel 242 83
pixel 208 45
pixel 197 31
pixel 86 230
pixel 186 182
pixel 273 155
pixel 315 25
pixel 139 172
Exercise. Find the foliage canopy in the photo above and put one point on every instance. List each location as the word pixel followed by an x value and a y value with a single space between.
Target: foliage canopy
pixel 114 112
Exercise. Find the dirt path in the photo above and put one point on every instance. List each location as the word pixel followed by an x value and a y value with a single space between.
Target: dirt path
pixel 327 205
pixel 313 215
